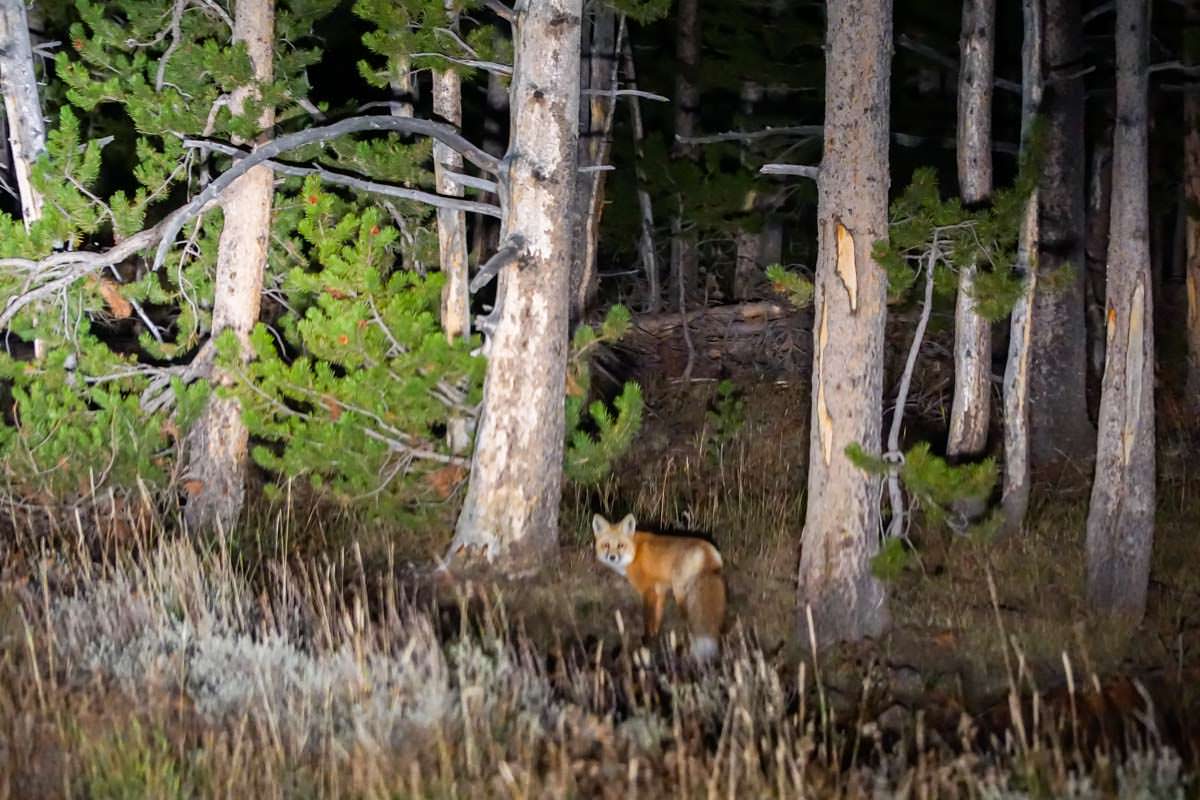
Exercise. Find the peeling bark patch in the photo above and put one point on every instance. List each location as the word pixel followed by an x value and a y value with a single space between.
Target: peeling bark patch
pixel 1135 357
pixel 846 268
pixel 824 418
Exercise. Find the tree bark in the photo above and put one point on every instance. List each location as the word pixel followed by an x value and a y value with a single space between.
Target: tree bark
pixel 451 224
pixel 26 128
pixel 598 73
pixel 971 408
pixel 1059 424
pixel 23 110
pixel 1120 526
pixel 646 251
pixel 452 230
pixel 1191 166
pixel 1015 498
pixel 217 442
pixel 842 521
pixel 510 516
pixel 685 252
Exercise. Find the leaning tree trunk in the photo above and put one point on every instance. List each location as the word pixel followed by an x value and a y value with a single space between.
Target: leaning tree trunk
pixel 1059 425
pixel 510 516
pixel 26 128
pixel 685 251
pixel 1120 526
pixel 598 76
pixel 842 522
pixel 971 408
pixel 218 440
pixel 1015 500
pixel 1191 166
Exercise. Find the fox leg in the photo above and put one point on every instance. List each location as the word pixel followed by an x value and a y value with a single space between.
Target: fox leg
pixel 655 601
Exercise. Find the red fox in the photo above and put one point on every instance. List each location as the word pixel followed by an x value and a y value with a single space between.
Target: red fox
pixel 688 567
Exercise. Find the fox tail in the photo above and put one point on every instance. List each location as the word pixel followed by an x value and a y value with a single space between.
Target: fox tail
pixel 703 648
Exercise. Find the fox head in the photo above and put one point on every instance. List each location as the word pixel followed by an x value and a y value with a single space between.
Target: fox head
pixel 614 543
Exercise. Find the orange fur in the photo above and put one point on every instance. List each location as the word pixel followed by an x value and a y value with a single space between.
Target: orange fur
pixel 687 567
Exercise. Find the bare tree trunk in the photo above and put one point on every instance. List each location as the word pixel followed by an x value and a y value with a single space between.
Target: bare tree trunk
pixel 646 249
pixel 218 440
pixel 452 230
pixel 1059 425
pixel 842 522
pixel 1015 500
pixel 685 253
pixel 1191 166
pixel 23 110
pixel 510 516
pixel 971 408
pixel 1120 526
pixel 452 225
pixel 598 73
pixel 26 128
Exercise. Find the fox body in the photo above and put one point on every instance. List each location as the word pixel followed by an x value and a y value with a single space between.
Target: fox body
pixel 687 567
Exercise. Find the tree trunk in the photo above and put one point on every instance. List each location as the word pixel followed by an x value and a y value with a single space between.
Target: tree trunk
pixel 23 110
pixel 452 231
pixel 510 516
pixel 1059 424
pixel 218 440
pixel 451 224
pixel 646 251
pixel 598 73
pixel 1191 166
pixel 1015 499
pixel 971 408
pixel 842 521
pixel 1120 526
pixel 685 252
pixel 26 128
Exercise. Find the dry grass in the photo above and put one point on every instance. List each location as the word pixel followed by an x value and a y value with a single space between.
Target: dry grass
pixel 304 657
pixel 165 670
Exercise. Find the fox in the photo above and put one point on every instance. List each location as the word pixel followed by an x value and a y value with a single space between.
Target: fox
pixel 688 567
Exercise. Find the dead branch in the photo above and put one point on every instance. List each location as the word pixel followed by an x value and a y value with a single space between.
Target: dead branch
pixel 353 181
pixel 745 136
pixel 801 170
pixel 758 312
pixel 503 257
pixel 59 270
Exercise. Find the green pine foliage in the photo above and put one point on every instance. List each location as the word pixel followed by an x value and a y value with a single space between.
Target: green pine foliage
pixel 361 410
pixel 940 488
pixel 795 287
pixel 925 229
pixel 597 438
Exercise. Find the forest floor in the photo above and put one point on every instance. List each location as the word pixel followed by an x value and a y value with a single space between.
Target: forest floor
pixel 313 655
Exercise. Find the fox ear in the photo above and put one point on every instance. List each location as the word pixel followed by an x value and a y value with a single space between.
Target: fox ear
pixel 599 524
pixel 628 525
